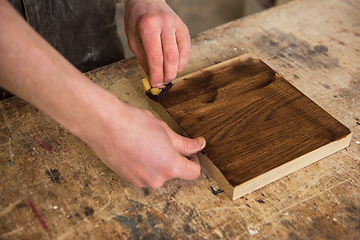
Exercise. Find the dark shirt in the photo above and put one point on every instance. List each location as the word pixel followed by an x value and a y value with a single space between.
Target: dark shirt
pixel 84 32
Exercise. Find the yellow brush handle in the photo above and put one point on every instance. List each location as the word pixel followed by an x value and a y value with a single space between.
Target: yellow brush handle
pixel 147 87
pixel 155 94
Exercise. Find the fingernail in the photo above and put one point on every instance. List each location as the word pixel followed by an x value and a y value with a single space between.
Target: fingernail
pixel 159 85
pixel 200 142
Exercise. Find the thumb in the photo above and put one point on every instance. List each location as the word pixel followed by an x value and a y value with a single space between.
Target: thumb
pixel 188 166
pixel 187 169
pixel 187 146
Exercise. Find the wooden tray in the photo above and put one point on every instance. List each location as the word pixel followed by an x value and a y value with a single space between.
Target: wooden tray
pixel 258 127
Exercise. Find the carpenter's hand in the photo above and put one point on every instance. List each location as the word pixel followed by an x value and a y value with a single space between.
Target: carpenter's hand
pixel 145 151
pixel 137 146
pixel 158 37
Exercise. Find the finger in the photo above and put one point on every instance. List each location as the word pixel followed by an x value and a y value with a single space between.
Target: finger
pixel 187 169
pixel 184 46
pixel 194 158
pixel 137 183
pixel 189 147
pixel 134 179
pixel 186 146
pixel 171 55
pixel 154 53
pixel 137 48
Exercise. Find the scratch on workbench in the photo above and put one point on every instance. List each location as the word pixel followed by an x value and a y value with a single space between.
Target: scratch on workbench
pixel 8 234
pixel 10 208
pixel 5 118
pixel 204 200
pixel 242 222
pixel 224 228
pixel 310 184
pixel 343 222
pixel 9 127
pixel 352 173
pixel 40 218
pixel 218 232
pixel 109 201
pixel 133 197
pixel 129 222
pixel 82 226
pixel 357 205
pixel 219 208
pixel 43 145
pixel 334 199
pixel 343 100
pixel 10 151
pixel 267 219
pixel 347 153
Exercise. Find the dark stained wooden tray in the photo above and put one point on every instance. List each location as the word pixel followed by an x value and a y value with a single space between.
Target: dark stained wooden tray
pixel 258 126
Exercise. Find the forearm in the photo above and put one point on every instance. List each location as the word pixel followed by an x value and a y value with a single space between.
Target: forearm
pixel 36 72
pixel 136 145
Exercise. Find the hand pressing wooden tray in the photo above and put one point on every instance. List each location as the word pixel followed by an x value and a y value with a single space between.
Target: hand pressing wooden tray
pixel 258 127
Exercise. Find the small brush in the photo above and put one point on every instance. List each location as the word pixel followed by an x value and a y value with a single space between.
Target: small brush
pixel 155 94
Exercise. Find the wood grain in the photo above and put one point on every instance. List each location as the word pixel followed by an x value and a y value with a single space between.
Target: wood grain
pixel 319 201
pixel 254 122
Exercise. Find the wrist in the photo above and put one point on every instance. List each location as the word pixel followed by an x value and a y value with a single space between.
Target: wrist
pixel 96 116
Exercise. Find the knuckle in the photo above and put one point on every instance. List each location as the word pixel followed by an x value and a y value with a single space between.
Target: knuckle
pixel 163 17
pixel 172 55
pixel 188 145
pixel 186 52
pixel 157 59
pixel 172 172
pixel 146 22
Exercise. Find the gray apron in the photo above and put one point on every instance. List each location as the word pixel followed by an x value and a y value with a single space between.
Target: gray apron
pixel 83 31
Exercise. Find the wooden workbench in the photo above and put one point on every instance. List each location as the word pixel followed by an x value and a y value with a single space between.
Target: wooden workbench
pixel 54 187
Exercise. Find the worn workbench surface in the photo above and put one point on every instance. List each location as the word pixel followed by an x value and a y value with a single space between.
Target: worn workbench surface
pixel 54 186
